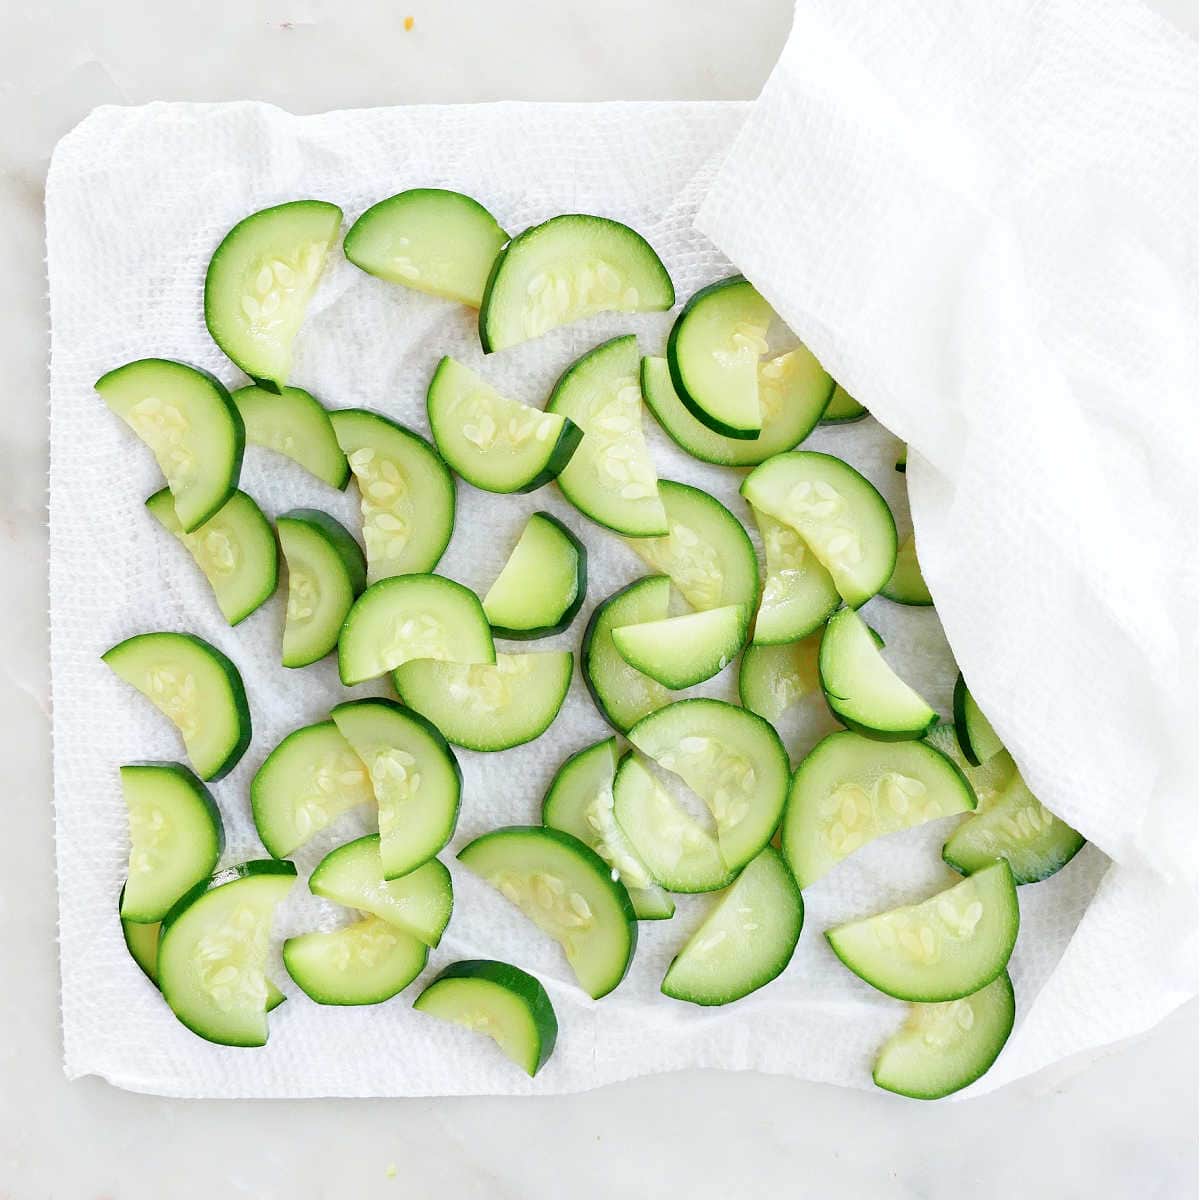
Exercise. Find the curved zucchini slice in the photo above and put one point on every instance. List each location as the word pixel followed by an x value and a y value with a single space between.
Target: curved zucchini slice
pixel 732 759
pixel 234 548
pixel 623 696
pixel 565 269
pixel 364 963
pixel 489 706
pixel 429 239
pixel 304 785
pixel 907 585
pixel 567 890
pixel 295 424
pixel 420 903
pixel 681 651
pixel 213 953
pixel 195 687
pixel 746 941
pixel 189 423
pixel 415 777
pixel 706 552
pixel 979 741
pixel 842 408
pixel 260 280
pixel 1017 827
pixel 502 1001
pixel 773 678
pixel 799 594
pixel 412 616
pixel 839 514
pixel 611 476
pixel 175 835
pixel 495 443
pixel 678 851
pixel 849 790
pixel 793 389
pixel 326 571
pixel 580 802
pixel 542 586
pixel 862 691
pixel 944 948
pixel 941 1048
pixel 406 492
pixel 713 353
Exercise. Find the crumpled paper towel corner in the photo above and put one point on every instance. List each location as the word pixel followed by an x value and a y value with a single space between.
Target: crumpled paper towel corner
pixel 1047 458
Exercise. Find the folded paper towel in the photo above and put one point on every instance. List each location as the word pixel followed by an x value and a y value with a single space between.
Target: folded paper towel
pixel 135 200
pixel 981 218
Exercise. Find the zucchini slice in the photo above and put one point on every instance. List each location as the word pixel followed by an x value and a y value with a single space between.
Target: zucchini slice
pixel 849 790
pixel 542 586
pixel 706 552
pixel 364 963
pixel 189 423
pixel 1017 827
pixel 420 903
pixel 213 953
pixel 793 390
pixel 234 549
pixel 260 280
pixel 326 571
pixel 495 443
pixel 412 616
pixel 907 585
pixel 610 477
pixel 941 1048
pixel 567 890
pixel 196 688
pixel 502 1001
pixel 862 691
pixel 406 491
pixel 944 948
pixel 979 741
pixel 773 678
pixel 745 941
pixel 842 408
pixel 623 696
pixel 580 802
pixel 304 785
pixel 489 707
pixel 681 651
pixel 429 239
pixel 295 424
pixel 415 777
pixel 732 759
pixel 565 269
pixel 678 851
pixel 839 514
pixel 799 594
pixel 987 781
pixel 141 940
pixel 175 837
pixel 714 351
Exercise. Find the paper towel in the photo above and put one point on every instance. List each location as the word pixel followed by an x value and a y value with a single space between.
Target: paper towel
pixel 136 200
pixel 981 217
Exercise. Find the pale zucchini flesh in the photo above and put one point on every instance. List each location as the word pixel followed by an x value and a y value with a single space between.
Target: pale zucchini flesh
pixel 944 948
pixel 849 790
pixel 295 424
pixel 799 595
pixel 771 679
pixel 746 941
pixel 685 650
pixel 367 962
pixel 542 586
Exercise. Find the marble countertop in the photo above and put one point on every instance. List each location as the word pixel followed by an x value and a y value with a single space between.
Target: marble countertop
pixel 1118 1123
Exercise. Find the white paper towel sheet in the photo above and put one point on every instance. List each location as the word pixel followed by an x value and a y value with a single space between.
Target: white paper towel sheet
pixel 136 200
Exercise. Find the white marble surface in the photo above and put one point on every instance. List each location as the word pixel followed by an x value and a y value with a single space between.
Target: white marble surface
pixel 1123 1123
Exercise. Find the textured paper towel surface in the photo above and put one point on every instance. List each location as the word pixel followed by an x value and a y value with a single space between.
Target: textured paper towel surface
pixel 137 198
pixel 982 219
